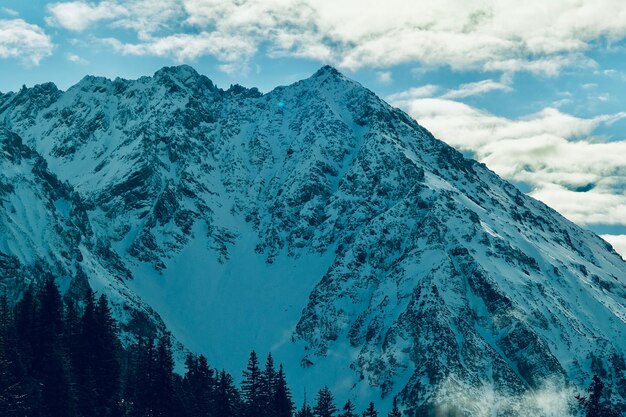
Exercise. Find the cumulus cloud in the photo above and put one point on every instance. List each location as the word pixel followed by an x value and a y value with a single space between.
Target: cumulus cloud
pixel 493 35
pixel 78 15
pixel 24 41
pixel 581 176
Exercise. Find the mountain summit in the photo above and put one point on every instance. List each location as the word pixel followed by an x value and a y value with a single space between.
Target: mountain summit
pixel 316 222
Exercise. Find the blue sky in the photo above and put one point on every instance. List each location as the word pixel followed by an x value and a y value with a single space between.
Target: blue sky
pixel 534 89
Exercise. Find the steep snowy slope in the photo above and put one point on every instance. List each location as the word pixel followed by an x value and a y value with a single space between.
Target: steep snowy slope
pixel 45 231
pixel 320 223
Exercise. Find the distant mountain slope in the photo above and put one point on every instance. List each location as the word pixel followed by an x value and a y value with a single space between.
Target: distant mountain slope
pixel 320 223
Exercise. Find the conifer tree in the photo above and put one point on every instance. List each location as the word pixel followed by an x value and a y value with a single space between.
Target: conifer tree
pixel 349 410
pixel 305 410
pixel 57 399
pixel 138 382
pixel 251 388
pixel 83 357
pixel 25 313
pixel 163 382
pixel 267 387
pixel 106 361
pixel 227 401
pixel 12 396
pixel 325 404
pixel 282 404
pixel 370 411
pixel 199 386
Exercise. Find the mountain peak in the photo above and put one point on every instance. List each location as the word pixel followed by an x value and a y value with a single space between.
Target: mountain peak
pixel 327 69
pixel 328 72
pixel 179 71
pixel 185 75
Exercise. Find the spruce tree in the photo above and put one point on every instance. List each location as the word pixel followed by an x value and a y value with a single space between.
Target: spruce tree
pixel 84 356
pixel 227 401
pixel 138 381
pixel 349 410
pixel 305 410
pixel 52 362
pixel 106 360
pixel 163 378
pixel 12 395
pixel 325 404
pixel 282 404
pixel 267 387
pixel 251 388
pixel 370 411
pixel 199 386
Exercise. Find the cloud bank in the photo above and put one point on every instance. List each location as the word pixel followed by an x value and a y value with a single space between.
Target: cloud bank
pixel 491 35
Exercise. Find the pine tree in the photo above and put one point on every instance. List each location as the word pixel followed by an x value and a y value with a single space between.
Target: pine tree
pixel 12 397
pixel 370 411
pixel 227 401
pixel 395 411
pixel 163 382
pixel 325 405
pixel 251 388
pixel 106 361
pixel 267 386
pixel 199 386
pixel 282 404
pixel 349 410
pixel 52 363
pixel 25 317
pixel 84 356
pixel 138 382
pixel 305 410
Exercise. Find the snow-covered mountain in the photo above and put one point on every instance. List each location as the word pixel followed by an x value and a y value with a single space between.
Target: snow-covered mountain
pixel 315 221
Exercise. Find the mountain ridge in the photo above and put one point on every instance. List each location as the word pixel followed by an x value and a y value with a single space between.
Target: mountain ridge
pixel 338 222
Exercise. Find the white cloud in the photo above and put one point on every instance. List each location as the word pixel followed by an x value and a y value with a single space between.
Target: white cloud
pixel 569 169
pixel 79 15
pixel 477 88
pixel 592 207
pixel 384 77
pixel 24 41
pixel 75 58
pixel 618 242
pixel 189 47
pixel 492 35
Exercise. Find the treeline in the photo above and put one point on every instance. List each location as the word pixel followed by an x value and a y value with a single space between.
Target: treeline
pixel 61 359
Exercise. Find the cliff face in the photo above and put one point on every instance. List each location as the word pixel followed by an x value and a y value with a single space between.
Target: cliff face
pixel 315 221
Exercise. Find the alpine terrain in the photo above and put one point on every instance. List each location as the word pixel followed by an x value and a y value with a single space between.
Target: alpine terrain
pixel 316 222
